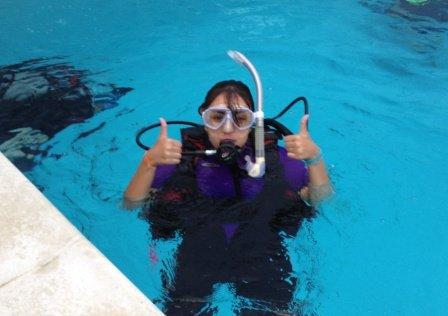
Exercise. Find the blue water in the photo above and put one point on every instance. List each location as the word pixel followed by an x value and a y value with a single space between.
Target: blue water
pixel 376 77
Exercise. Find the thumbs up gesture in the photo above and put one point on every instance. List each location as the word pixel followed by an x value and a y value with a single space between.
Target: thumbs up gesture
pixel 166 151
pixel 300 146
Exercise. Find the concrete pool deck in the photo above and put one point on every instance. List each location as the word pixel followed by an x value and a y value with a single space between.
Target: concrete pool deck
pixel 47 267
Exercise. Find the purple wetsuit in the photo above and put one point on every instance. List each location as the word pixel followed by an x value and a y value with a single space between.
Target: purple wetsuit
pixel 215 180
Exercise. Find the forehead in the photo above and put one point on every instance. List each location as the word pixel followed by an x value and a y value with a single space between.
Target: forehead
pixel 222 101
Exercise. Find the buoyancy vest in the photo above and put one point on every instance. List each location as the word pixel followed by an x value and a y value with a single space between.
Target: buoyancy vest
pixel 180 205
pixel 228 238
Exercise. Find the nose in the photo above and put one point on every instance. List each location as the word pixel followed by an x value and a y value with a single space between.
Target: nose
pixel 228 125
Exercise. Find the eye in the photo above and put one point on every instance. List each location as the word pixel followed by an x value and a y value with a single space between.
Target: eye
pixel 217 116
pixel 242 117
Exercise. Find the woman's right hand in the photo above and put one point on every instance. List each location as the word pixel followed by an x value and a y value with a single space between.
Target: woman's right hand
pixel 166 151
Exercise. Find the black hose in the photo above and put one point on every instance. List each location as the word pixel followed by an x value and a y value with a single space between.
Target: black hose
pixel 290 105
pixel 147 128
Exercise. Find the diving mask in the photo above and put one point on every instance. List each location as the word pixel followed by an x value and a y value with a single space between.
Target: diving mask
pixel 215 117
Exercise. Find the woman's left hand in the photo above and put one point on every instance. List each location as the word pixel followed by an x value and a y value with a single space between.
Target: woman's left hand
pixel 300 146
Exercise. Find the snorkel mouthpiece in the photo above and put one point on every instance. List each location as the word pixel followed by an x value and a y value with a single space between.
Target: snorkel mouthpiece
pixel 228 152
pixel 257 169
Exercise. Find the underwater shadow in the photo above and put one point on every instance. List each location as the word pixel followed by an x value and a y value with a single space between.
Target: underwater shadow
pixel 41 97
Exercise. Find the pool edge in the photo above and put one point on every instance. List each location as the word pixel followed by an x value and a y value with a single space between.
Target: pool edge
pixel 48 267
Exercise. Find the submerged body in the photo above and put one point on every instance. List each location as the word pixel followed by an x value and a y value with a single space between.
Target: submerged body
pixel 232 229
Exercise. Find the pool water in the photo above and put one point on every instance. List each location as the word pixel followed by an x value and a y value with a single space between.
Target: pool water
pixel 376 76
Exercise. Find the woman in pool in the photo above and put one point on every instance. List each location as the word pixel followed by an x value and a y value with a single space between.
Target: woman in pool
pixel 232 225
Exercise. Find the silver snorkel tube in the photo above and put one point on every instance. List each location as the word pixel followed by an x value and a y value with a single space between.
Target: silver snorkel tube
pixel 257 169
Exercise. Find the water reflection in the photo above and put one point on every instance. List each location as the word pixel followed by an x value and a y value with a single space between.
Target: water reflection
pixel 41 97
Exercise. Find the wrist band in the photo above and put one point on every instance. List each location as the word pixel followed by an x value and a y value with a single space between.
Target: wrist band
pixel 315 160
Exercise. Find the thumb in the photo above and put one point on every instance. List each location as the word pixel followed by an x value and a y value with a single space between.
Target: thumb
pixel 304 124
pixel 163 128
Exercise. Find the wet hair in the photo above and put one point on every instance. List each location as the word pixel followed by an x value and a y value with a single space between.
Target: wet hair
pixel 232 90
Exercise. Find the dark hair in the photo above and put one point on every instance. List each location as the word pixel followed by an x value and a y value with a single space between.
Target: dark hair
pixel 232 90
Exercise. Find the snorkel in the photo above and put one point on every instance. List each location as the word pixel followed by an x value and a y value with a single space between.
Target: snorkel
pixel 257 169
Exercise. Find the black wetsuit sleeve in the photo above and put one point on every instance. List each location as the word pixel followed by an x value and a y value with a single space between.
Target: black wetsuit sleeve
pixel 168 212
pixel 163 221
pixel 290 219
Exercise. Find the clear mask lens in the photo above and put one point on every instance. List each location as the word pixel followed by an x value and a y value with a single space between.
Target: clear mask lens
pixel 214 118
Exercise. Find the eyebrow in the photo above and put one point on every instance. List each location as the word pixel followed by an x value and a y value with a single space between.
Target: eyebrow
pixel 226 106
